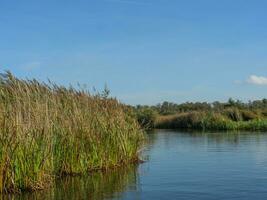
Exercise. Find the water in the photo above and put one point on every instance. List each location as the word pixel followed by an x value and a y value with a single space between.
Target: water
pixel 181 165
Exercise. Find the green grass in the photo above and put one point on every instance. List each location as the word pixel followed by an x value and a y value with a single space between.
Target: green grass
pixel 212 121
pixel 48 131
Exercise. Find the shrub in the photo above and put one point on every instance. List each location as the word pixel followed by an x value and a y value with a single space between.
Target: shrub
pixel 146 118
pixel 249 115
pixel 233 114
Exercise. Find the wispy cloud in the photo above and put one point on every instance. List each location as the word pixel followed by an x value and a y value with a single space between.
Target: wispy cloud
pixel 31 66
pixel 257 80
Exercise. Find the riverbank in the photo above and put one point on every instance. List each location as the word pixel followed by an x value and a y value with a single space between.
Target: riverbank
pixel 208 121
pixel 180 165
pixel 49 131
pixel 233 115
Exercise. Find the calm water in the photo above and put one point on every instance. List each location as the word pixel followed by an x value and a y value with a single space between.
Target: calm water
pixel 180 166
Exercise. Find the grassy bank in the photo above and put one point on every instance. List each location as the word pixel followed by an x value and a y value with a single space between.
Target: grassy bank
pixel 208 121
pixel 232 115
pixel 48 131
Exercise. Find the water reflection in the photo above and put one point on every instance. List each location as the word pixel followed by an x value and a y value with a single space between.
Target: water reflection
pixel 98 186
pixel 181 165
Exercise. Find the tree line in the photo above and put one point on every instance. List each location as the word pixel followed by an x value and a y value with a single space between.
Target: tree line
pixel 230 111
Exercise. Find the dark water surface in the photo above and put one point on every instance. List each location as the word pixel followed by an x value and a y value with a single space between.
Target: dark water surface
pixel 180 165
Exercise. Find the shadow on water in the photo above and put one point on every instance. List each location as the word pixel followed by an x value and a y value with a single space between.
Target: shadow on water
pixel 99 185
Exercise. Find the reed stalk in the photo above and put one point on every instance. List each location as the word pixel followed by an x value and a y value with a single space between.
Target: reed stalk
pixel 47 130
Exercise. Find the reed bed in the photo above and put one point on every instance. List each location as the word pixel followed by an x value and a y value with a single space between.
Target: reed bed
pixel 47 130
pixel 211 121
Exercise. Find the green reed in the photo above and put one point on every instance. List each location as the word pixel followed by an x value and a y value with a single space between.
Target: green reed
pixel 209 121
pixel 47 131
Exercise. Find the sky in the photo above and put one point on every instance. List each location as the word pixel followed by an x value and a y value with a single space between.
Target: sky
pixel 146 51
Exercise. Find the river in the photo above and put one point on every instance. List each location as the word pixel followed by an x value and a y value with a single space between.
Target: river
pixel 180 165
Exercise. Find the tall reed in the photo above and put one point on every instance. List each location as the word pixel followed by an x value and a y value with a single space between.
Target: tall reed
pixel 47 130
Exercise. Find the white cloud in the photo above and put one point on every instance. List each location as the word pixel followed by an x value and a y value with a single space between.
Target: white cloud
pixel 257 80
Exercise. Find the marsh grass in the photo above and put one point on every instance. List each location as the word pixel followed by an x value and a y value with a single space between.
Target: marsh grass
pixel 232 120
pixel 48 131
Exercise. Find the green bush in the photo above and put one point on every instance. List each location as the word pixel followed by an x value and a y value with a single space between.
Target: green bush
pixel 146 118
pixel 249 115
pixel 233 114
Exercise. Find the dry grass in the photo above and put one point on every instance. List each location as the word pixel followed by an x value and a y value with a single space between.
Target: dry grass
pixel 48 131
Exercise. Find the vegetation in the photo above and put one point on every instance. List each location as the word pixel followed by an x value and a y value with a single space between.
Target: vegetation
pixel 48 131
pixel 232 115
pixel 96 186
pixel 146 117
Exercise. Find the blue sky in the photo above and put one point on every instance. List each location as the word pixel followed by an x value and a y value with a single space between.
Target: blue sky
pixel 147 51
